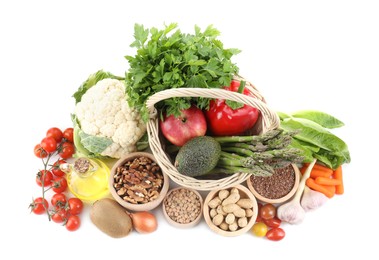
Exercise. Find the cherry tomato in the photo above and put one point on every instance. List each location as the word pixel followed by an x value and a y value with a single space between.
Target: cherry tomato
pixel 267 211
pixel 67 151
pixel 59 185
pixel 68 134
pixel 39 151
pixel 273 222
pixel 275 234
pixel 49 144
pixel 259 219
pixel 59 216
pixel 75 206
pixel 56 170
pixel 46 177
pixel 58 200
pixel 73 223
pixel 55 133
pixel 260 229
pixel 39 206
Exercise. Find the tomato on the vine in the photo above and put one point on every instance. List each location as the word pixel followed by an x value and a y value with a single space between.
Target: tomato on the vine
pixel 275 234
pixel 73 223
pixel 45 176
pixel 58 200
pixel 49 144
pixel 67 150
pixel 55 133
pixel 59 185
pixel 68 134
pixel 75 206
pixel 39 206
pixel 56 168
pixel 39 151
pixel 267 211
pixel 59 216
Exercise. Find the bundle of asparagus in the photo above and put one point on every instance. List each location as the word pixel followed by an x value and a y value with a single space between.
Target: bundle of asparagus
pixel 259 155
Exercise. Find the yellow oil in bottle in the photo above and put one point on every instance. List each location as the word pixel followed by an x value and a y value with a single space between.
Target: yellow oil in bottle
pixel 88 179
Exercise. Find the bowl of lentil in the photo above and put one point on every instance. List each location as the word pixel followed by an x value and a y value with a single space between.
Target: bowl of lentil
pixel 277 188
pixel 137 182
pixel 182 207
pixel 230 212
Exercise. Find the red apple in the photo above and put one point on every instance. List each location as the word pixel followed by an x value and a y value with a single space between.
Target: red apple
pixel 179 130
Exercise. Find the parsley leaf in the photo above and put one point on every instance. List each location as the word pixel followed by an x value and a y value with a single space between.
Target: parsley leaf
pixel 167 58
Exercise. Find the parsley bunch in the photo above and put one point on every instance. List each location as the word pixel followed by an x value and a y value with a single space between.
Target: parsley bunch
pixel 169 58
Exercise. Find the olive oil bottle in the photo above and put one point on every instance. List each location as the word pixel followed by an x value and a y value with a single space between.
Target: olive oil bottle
pixel 87 179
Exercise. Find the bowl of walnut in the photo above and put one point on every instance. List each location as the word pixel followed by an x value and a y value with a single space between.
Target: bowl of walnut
pixel 137 182
pixel 230 212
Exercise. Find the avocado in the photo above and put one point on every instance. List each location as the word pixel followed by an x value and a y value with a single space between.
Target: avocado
pixel 198 156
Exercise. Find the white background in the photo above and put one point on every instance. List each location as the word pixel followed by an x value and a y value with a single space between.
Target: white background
pixel 301 54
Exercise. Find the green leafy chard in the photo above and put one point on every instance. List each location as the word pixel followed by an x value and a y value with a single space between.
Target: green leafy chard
pixel 314 139
pixel 168 58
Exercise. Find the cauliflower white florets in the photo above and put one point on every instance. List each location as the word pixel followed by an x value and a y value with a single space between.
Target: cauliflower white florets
pixel 104 112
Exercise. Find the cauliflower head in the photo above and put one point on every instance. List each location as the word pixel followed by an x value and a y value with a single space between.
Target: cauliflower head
pixel 107 126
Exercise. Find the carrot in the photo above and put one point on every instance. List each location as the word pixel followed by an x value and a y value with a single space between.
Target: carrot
pixel 320 188
pixel 321 168
pixel 327 181
pixel 320 173
pixel 338 176
pixel 331 188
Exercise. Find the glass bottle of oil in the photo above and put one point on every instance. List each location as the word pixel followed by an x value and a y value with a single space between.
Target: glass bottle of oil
pixel 87 179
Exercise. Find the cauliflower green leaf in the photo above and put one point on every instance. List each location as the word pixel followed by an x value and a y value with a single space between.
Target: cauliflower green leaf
pixel 91 81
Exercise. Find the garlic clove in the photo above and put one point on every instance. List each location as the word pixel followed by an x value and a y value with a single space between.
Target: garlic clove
pixel 312 199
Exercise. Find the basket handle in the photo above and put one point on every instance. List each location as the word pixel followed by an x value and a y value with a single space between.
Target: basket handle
pixel 270 119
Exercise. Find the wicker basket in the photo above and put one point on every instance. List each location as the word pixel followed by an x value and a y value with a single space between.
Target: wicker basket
pixel 268 120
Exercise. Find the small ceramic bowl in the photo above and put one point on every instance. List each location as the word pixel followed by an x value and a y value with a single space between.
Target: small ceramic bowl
pixel 183 225
pixel 277 200
pixel 140 206
pixel 244 194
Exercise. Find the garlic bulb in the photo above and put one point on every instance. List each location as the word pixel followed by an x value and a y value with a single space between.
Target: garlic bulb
pixel 292 212
pixel 312 199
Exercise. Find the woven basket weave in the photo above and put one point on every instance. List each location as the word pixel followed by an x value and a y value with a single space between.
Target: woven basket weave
pixel 268 120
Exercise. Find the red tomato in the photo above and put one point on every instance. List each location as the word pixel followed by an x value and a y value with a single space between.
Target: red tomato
pixel 39 206
pixel 273 222
pixel 75 206
pixel 267 211
pixel 67 150
pixel 46 177
pixel 59 185
pixel 68 134
pixel 49 144
pixel 55 133
pixel 73 223
pixel 275 234
pixel 56 170
pixel 39 151
pixel 59 216
pixel 58 200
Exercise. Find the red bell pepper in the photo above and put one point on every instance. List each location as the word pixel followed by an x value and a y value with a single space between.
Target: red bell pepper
pixel 227 118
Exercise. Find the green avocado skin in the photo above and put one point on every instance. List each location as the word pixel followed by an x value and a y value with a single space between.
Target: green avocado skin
pixel 198 156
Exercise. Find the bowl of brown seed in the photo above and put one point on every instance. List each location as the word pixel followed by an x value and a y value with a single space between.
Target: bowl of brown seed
pixel 277 188
pixel 137 182
pixel 182 207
